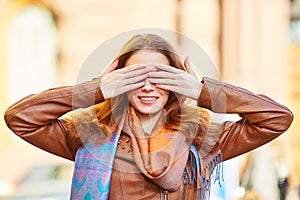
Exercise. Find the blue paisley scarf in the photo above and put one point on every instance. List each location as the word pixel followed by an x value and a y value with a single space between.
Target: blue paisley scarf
pixel 93 169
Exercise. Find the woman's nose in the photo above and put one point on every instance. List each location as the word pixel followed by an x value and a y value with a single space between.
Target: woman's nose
pixel 148 86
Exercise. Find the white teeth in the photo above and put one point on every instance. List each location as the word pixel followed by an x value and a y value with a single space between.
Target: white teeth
pixel 147 98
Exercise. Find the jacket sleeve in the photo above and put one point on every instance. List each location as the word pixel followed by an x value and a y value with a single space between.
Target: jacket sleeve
pixel 262 119
pixel 35 118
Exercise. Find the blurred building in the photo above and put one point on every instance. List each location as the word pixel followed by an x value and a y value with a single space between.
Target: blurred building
pixel 294 75
pixel 44 43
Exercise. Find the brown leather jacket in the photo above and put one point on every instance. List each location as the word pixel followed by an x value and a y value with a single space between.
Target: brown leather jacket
pixel 37 119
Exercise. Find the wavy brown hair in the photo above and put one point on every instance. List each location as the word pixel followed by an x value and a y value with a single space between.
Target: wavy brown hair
pixel 192 121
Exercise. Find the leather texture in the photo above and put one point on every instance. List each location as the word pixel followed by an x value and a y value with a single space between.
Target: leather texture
pixel 40 120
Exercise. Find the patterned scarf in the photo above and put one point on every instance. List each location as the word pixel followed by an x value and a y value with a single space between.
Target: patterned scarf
pixel 92 172
pixel 160 157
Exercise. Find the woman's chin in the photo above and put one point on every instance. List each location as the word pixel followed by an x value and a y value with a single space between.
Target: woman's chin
pixel 148 113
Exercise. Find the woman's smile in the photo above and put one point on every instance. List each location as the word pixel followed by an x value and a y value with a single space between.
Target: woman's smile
pixel 148 99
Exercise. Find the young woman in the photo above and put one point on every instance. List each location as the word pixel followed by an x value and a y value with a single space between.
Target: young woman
pixel 132 133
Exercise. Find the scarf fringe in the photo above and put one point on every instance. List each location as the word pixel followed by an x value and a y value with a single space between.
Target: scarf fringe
pixel 217 164
pixel 205 179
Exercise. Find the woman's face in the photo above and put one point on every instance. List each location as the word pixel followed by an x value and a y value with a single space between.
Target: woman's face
pixel 148 99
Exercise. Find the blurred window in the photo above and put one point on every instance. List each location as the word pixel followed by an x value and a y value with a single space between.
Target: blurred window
pixel 31 41
pixel 295 21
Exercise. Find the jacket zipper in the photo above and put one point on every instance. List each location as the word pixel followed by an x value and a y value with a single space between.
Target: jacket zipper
pixel 165 192
pixel 185 181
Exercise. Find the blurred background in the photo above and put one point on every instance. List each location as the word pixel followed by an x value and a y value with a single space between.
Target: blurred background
pixel 254 44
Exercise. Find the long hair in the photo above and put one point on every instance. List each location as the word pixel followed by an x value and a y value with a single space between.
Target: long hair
pixel 190 120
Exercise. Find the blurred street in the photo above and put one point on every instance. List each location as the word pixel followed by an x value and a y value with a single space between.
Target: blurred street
pixel 253 43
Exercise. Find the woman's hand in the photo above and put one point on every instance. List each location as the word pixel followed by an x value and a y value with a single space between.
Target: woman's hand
pixel 183 82
pixel 116 82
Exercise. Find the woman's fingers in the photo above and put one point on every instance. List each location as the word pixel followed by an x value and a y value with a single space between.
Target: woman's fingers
pixel 131 68
pixel 132 80
pixel 112 67
pixel 164 81
pixel 135 72
pixel 165 77
pixel 123 80
pixel 167 68
pixel 187 66
pixel 176 80
pixel 133 86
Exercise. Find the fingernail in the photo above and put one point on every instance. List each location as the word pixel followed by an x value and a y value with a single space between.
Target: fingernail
pixel 187 59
